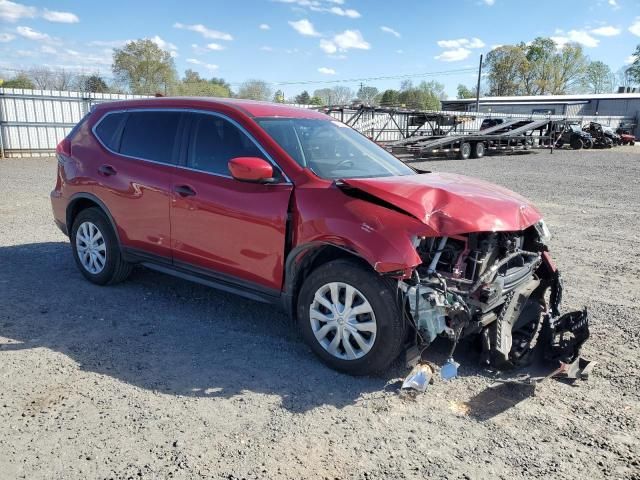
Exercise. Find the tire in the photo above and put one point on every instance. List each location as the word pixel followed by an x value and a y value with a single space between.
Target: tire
pixel 588 144
pixel 382 340
pixel 478 150
pixel 559 143
pixel 632 143
pixel 577 143
pixel 608 143
pixel 108 267
pixel 465 151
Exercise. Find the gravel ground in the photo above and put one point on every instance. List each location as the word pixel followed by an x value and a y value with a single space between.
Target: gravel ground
pixel 159 378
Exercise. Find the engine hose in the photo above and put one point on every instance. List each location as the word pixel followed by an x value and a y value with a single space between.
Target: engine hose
pixel 493 271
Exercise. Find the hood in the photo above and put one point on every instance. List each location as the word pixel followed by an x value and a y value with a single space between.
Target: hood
pixel 451 204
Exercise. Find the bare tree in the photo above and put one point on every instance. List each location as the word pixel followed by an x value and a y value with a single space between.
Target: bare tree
pixel 341 95
pixel 255 90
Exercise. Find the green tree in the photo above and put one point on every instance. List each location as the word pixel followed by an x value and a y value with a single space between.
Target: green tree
pixel 505 66
pixel 92 83
pixel 303 98
pixel 390 98
pixel 278 97
pixel 598 78
pixel 466 92
pixel 426 96
pixel 325 96
pixel 633 71
pixel 144 67
pixel 367 95
pixel 192 85
pixel 255 90
pixel 315 100
pixel 19 81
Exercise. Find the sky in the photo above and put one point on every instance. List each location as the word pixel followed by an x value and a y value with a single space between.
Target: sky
pixel 309 44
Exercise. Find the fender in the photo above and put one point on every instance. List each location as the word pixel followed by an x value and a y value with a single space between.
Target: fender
pixel 89 196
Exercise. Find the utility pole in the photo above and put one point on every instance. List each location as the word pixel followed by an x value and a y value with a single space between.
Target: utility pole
pixel 478 86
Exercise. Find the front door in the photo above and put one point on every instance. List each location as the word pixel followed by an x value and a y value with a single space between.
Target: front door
pixel 223 226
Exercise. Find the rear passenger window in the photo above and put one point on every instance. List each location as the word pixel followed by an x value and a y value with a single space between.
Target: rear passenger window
pixel 151 136
pixel 107 130
pixel 215 141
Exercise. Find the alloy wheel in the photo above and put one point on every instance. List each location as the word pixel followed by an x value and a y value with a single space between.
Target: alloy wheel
pixel 91 248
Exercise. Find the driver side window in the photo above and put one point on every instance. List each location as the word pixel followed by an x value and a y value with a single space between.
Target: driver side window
pixel 214 141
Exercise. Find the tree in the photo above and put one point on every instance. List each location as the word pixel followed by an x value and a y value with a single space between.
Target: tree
pixel 278 97
pixel 325 95
pixel 92 83
pixel 504 66
pixel 303 98
pixel 390 98
pixel 341 95
pixel 598 78
pixel 466 92
pixel 144 67
pixel 426 96
pixel 192 85
pixel 19 81
pixel 367 95
pixel 255 90
pixel 316 101
pixel 568 70
pixel 633 71
pixel 47 79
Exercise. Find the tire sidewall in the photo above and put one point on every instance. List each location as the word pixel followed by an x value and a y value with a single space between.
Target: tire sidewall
pixel 96 217
pixel 389 322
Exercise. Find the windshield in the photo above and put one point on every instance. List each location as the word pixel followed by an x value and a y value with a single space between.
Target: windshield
pixel 331 149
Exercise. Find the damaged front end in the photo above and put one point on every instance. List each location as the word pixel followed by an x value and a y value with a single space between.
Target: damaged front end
pixel 502 286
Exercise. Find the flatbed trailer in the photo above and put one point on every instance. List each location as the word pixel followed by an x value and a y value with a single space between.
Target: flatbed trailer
pixel 515 134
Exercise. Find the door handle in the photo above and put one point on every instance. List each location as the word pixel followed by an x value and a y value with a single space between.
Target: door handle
pixel 185 191
pixel 107 170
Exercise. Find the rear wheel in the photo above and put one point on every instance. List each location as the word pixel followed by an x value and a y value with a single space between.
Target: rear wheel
pixel 577 143
pixel 350 318
pixel 96 250
pixel 465 151
pixel 478 150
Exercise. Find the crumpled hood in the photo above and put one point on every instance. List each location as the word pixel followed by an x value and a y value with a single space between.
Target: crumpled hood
pixel 452 204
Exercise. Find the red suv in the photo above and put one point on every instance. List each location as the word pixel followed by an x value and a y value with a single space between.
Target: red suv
pixel 286 205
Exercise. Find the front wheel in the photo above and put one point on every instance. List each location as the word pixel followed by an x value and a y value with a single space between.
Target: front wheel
pixel 350 318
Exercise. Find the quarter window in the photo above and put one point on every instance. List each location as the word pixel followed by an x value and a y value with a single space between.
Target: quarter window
pixel 215 141
pixel 107 130
pixel 151 135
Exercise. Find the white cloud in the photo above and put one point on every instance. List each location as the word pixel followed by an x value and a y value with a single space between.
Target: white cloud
pixel 6 37
pixel 60 17
pixel 454 55
pixel 209 66
pixel 164 45
pixel 489 2
pixel 327 71
pixel 216 47
pixel 12 12
pixel 304 27
pixel 351 39
pixel 266 48
pixel 614 4
pixel 635 27
pixel 108 43
pixel 390 30
pixel 400 52
pixel 462 43
pixel 606 31
pixel 204 31
pixel 328 46
pixel 49 50
pixel 264 26
pixel 31 34
pixel 348 12
pixel 575 36
pixel 344 41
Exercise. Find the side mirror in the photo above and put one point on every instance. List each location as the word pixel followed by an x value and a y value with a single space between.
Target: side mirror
pixel 251 169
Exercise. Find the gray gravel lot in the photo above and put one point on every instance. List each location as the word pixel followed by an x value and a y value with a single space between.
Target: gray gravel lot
pixel 159 378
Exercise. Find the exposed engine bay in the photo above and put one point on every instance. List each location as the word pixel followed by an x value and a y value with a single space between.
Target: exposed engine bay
pixel 502 286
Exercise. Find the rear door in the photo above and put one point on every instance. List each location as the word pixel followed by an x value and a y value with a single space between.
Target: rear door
pixel 134 179
pixel 227 228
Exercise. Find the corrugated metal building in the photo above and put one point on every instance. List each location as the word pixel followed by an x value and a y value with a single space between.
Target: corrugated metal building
pixel 603 104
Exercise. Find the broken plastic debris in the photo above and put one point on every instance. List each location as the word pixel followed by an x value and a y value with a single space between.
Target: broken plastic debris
pixel 419 377
pixel 449 370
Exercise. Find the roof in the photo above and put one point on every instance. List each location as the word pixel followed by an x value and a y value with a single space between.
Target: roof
pixel 248 107
pixel 552 98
